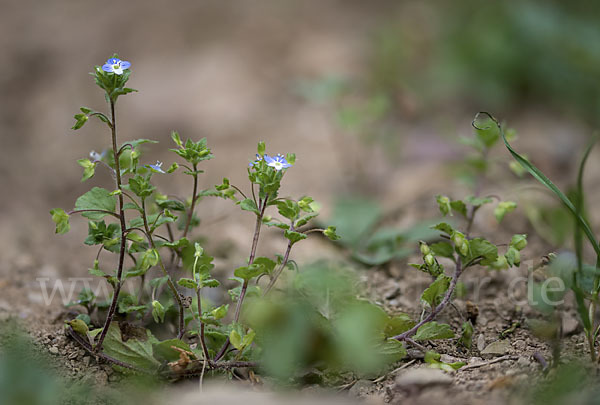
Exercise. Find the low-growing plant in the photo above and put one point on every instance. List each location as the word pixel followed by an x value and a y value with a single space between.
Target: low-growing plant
pixel 151 230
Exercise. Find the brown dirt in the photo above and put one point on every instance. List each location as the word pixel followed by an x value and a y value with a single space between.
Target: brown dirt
pixel 226 73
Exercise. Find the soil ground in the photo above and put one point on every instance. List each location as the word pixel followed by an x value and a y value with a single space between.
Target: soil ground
pixel 227 74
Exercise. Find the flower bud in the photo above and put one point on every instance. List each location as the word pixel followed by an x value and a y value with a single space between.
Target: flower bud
pixel 429 259
pixel 425 250
pixel 519 242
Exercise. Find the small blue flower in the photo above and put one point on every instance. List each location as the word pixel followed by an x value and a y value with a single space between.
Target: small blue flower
pixel 96 157
pixel 116 66
pixel 258 159
pixel 278 162
pixel 157 167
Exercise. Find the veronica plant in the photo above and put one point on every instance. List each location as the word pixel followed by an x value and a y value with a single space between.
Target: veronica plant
pixel 459 245
pixel 151 230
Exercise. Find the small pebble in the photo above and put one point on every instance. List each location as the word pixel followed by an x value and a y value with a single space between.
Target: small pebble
pixel 53 349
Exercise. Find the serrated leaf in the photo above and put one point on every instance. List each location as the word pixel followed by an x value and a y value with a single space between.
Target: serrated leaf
pixel 136 352
pixel 188 283
pixel 249 205
pixel 96 199
pixel 433 330
pixel 294 237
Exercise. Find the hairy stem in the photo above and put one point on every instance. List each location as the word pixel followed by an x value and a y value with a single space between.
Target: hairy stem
pixel 202 339
pixel 262 206
pixel 458 270
pixel 181 327
pixel 192 205
pixel 281 267
pixel 117 289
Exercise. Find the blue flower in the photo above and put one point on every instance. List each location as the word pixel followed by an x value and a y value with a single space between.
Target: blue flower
pixel 258 159
pixel 157 167
pixel 116 66
pixel 278 162
pixel 96 157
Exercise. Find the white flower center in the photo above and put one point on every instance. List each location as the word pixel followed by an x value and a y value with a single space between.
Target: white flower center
pixel 278 165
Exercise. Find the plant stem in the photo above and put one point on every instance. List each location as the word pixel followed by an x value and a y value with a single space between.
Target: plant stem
pixel 117 288
pixel 191 212
pixel 281 267
pixel 202 340
pixel 458 270
pixel 262 206
pixel 181 328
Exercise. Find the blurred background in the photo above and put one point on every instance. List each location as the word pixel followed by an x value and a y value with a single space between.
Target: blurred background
pixel 371 96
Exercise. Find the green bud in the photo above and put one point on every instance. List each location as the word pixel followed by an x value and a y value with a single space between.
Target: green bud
pixel 158 311
pixel 261 148
pixel 330 233
pixel 429 259
pixel 519 242
pixel 78 326
pixel 425 250
pixel 198 250
pixel 464 248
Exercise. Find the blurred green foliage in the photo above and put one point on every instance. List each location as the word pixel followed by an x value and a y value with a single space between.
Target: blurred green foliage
pixel 28 376
pixel 494 54
pixel 320 326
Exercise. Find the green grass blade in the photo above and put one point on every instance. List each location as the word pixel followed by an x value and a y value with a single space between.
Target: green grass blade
pixel 580 205
pixel 539 176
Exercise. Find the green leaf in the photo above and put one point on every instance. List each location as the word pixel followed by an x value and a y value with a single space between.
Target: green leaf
pixel 149 259
pixel 294 237
pixel 188 283
pixel 434 294
pixel 96 199
pixel 304 220
pixel 503 208
pixel 158 312
pixel 220 312
pixel 236 339
pixel 398 324
pixel 482 248
pixel 61 219
pixel 81 120
pixel 477 201
pixel 249 205
pixel 443 249
pixel 466 337
pixel 249 272
pixel 433 330
pixel 176 138
pixel 444 227
pixel 164 352
pixel 88 168
pixel 330 232
pixel 266 263
pixel 459 207
pixel 138 353
pixel 172 205
pixel 288 209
